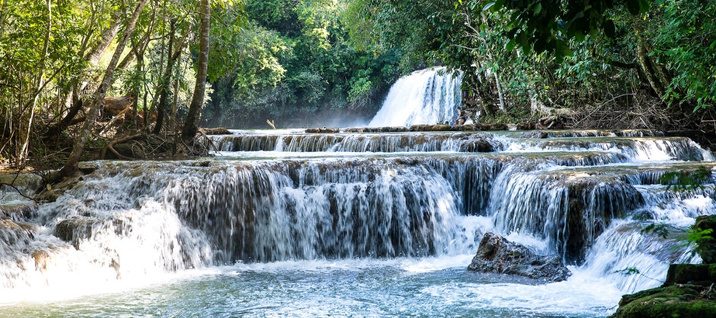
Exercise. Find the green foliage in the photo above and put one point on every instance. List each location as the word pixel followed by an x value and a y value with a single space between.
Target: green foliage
pixel 686 42
pixel 295 57
pixel 628 271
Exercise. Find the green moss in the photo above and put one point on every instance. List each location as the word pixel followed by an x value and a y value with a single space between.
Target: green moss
pixel 673 301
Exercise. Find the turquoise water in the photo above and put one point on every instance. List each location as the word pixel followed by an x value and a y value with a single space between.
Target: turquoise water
pixel 431 287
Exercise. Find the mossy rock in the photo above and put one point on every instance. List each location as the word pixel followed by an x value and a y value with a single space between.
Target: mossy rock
pixel 682 301
pixel 704 274
pixel 707 247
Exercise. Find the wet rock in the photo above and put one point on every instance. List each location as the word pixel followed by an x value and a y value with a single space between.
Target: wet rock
pixel 684 301
pixel 526 126
pixel 14 211
pixel 431 128
pixel 706 247
pixel 24 180
pixel 469 127
pixel 76 229
pixel 40 257
pixel 215 131
pixel 498 255
pixel 12 232
pixel 492 127
pixel 52 192
pixel 687 292
pixel 478 145
pixel 701 274
pixel 323 130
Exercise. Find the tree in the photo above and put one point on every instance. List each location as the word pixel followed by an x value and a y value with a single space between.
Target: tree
pixel 197 101
pixel 70 166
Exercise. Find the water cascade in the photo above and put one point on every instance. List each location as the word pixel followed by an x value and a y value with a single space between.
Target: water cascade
pixel 429 96
pixel 301 206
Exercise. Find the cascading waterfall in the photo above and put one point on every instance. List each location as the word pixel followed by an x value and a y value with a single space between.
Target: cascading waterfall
pixel 429 96
pixel 290 196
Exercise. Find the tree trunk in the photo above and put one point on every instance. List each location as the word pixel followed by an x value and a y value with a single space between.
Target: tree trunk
pixel 647 68
pixel 197 100
pixel 70 166
pixel 40 84
pixel 165 81
pixel 92 58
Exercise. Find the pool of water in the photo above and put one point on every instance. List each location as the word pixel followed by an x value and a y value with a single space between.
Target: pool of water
pixel 427 287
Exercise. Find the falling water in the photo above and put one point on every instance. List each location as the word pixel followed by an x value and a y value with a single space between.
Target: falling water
pixel 406 209
pixel 429 96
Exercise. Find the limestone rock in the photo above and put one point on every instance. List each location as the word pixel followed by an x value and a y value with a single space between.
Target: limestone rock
pixel 498 255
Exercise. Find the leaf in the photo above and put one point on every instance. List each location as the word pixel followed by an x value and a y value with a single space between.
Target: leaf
pixel 510 45
pixel 538 8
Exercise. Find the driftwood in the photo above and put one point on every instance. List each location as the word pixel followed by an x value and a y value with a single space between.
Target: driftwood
pixel 111 145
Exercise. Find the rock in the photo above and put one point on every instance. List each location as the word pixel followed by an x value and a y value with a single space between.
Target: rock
pixel 24 180
pixel 431 128
pixel 707 247
pixel 700 274
pixel 78 228
pixel 215 131
pixel 40 258
pixel 498 255
pixel 12 232
pixel 323 130
pixel 687 292
pixel 492 127
pixel 74 229
pixel 526 126
pixel 684 301
pixel 17 210
pixel 478 145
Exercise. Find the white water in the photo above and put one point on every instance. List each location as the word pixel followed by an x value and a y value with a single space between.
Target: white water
pixel 429 96
pixel 369 227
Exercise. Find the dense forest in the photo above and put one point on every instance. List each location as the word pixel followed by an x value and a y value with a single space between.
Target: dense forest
pixel 82 75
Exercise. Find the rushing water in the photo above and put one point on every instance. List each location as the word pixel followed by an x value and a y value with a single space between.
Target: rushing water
pixel 429 96
pixel 289 223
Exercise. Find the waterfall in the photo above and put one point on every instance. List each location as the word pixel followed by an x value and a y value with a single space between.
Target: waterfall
pixel 281 196
pixel 429 96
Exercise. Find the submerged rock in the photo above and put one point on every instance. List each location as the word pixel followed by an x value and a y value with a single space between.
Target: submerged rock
pixel 76 229
pixel 13 211
pixel 498 255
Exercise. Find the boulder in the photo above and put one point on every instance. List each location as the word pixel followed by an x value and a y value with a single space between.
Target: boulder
pixel 706 247
pixel 684 301
pixel 78 228
pixel 23 210
pixel 477 145
pixel 498 255
pixel 699 274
